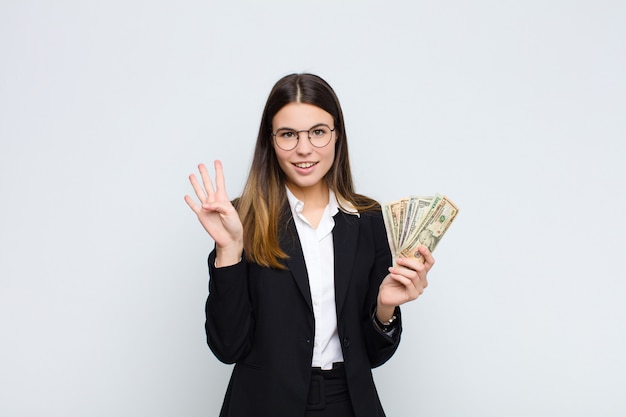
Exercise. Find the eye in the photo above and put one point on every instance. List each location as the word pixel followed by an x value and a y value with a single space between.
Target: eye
pixel 319 131
pixel 286 134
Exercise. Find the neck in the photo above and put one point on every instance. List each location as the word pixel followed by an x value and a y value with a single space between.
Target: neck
pixel 315 196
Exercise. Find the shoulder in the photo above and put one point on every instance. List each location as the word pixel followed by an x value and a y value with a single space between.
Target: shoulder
pixel 367 206
pixel 357 203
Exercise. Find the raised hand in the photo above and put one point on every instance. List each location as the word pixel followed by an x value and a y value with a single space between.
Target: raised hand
pixel 405 282
pixel 217 215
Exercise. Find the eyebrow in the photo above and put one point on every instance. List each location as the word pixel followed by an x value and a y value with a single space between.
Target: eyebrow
pixel 294 129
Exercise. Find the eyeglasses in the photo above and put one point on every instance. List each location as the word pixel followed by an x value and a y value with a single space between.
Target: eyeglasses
pixel 319 136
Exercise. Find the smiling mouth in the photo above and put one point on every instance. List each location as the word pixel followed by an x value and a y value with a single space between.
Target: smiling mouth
pixel 305 164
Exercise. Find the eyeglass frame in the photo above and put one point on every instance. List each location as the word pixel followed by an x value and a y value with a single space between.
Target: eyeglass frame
pixel 308 131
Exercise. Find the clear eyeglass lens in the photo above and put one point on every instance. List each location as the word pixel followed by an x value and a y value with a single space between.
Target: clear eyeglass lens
pixel 319 136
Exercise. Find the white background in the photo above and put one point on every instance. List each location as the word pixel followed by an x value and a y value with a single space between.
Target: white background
pixel 516 110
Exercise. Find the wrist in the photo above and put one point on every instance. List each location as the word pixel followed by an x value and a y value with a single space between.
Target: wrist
pixel 387 325
pixel 384 313
pixel 227 256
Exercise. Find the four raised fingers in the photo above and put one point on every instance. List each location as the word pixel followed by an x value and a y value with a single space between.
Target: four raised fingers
pixel 205 191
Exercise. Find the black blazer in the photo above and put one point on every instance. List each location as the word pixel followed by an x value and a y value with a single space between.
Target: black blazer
pixel 262 320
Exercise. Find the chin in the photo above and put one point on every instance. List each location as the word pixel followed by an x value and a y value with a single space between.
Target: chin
pixel 300 183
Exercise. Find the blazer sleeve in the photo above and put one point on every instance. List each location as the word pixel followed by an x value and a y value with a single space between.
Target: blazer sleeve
pixel 380 345
pixel 229 320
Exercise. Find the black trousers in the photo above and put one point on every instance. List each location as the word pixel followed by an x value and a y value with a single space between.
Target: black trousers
pixel 328 393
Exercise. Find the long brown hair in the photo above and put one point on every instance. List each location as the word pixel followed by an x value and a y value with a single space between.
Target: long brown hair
pixel 264 199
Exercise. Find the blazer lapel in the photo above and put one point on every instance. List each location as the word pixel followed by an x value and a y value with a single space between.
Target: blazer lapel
pixel 345 241
pixel 290 243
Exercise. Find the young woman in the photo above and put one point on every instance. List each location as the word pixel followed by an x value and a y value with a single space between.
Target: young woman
pixel 302 295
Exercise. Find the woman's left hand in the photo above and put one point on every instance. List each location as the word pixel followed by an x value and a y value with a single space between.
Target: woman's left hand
pixel 405 282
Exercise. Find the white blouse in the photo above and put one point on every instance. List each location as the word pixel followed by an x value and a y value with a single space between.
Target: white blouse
pixel 317 246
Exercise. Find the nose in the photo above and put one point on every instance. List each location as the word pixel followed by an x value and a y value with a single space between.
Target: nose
pixel 304 144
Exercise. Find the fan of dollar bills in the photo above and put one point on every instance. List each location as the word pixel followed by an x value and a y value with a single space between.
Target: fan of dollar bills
pixel 415 221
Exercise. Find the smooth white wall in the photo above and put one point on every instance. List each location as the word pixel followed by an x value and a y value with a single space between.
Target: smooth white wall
pixel 516 110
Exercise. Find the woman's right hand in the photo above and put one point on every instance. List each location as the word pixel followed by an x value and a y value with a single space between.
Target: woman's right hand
pixel 217 215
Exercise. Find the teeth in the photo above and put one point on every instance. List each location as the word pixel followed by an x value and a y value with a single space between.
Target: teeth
pixel 305 164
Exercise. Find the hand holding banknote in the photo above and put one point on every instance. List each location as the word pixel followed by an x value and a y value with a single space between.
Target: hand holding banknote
pixel 407 280
pixel 415 225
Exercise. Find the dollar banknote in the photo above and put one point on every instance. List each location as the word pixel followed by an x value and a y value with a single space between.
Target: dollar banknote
pixel 391 225
pixel 416 212
pixel 415 221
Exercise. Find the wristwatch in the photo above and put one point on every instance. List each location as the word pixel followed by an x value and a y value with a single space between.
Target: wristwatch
pixel 386 326
pixel 388 322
